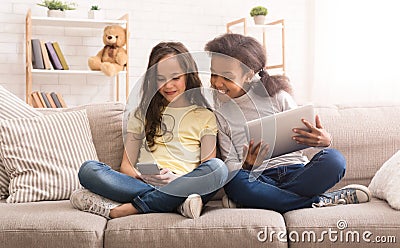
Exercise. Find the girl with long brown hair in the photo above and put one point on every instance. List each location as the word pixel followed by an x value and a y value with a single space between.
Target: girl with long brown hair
pixel 172 127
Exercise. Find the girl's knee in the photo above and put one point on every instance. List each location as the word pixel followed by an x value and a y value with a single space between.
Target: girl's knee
pixel 237 181
pixel 87 168
pixel 337 160
pixel 216 165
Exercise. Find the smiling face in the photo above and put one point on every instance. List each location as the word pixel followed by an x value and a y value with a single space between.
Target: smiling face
pixel 171 80
pixel 227 76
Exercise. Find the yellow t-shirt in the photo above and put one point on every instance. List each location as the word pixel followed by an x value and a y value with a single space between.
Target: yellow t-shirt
pixel 179 148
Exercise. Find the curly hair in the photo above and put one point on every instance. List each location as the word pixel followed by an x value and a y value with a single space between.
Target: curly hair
pixel 252 56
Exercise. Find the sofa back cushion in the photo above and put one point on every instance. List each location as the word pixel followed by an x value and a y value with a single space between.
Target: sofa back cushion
pixel 105 120
pixel 366 135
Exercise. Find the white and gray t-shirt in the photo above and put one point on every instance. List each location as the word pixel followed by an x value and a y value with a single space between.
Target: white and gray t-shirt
pixel 232 116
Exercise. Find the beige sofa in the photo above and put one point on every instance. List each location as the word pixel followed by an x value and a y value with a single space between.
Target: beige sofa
pixel 366 135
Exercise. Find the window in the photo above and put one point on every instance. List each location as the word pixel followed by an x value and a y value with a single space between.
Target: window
pixel 357 51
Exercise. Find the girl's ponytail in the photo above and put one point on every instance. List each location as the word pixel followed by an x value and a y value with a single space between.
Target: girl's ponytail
pixel 271 84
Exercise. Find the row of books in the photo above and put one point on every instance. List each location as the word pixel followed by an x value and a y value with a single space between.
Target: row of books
pixel 47 100
pixel 47 55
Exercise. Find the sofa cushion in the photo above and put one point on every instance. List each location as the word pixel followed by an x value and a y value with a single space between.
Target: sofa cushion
pixel 105 121
pixel 216 227
pixel 366 135
pixel 11 107
pixel 42 155
pixel 385 184
pixel 49 224
pixel 375 217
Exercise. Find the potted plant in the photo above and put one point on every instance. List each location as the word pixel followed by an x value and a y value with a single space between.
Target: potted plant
pixel 259 13
pixel 57 8
pixel 95 12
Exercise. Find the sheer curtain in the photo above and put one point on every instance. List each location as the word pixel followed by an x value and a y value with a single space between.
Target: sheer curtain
pixel 357 51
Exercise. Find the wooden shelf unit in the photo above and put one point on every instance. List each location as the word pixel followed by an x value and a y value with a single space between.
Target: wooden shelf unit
pixel 69 22
pixel 247 26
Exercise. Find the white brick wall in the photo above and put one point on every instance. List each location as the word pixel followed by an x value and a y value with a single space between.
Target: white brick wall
pixel 191 22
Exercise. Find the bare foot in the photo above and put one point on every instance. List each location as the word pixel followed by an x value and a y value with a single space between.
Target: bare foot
pixel 123 210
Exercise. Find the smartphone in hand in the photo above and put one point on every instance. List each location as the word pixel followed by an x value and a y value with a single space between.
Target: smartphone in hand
pixel 148 168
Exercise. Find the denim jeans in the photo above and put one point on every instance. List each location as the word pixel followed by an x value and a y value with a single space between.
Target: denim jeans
pixel 290 187
pixel 205 180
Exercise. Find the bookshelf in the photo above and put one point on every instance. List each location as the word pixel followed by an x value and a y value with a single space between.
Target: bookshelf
pixel 246 26
pixel 68 22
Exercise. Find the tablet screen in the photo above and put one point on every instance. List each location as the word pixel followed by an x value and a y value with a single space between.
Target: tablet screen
pixel 276 129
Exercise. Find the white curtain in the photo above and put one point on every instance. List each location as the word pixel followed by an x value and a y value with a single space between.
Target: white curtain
pixel 357 51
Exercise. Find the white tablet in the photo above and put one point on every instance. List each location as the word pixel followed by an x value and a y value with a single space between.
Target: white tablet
pixel 277 129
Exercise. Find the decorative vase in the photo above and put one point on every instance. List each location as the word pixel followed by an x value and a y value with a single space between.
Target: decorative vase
pixel 56 13
pixel 259 19
pixel 95 14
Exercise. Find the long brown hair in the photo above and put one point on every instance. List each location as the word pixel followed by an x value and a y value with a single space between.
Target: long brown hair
pixel 152 103
pixel 252 56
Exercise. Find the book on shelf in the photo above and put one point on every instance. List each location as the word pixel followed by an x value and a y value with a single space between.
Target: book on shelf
pixel 37 57
pixel 55 99
pixel 58 100
pixel 36 102
pixel 43 103
pixel 46 101
pixel 53 56
pixel 46 59
pixel 61 99
pixel 60 56
pixel 51 101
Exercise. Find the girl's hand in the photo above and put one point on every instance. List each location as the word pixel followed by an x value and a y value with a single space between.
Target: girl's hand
pixel 255 154
pixel 317 136
pixel 165 177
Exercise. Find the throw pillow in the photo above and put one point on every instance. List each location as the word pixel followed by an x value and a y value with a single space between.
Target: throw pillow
pixel 108 141
pixel 385 184
pixel 42 155
pixel 11 107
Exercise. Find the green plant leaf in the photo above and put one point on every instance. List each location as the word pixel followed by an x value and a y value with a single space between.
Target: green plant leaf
pixel 259 10
pixel 57 5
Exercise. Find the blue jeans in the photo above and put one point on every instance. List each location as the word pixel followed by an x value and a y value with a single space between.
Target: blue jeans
pixel 290 187
pixel 205 180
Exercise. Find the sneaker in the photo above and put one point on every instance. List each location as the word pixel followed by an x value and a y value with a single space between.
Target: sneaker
pixel 88 201
pixel 351 194
pixel 191 207
pixel 228 203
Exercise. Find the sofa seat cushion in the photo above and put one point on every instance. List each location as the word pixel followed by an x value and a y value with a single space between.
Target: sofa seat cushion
pixel 375 219
pixel 49 224
pixel 217 227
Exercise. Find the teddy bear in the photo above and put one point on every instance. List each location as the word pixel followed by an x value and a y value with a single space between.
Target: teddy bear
pixel 113 57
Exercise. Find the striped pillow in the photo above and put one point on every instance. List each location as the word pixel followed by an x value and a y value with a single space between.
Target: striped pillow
pixel 11 107
pixel 42 155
